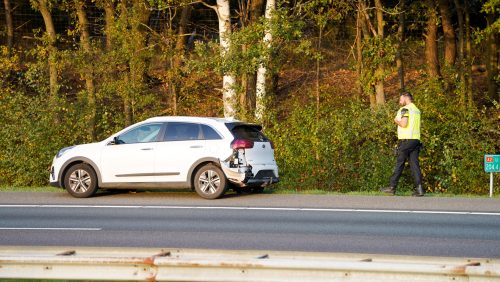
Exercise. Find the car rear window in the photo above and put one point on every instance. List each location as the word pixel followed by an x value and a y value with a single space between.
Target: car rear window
pixel 209 133
pixel 248 132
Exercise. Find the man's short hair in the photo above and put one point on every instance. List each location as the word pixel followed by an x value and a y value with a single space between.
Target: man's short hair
pixel 407 94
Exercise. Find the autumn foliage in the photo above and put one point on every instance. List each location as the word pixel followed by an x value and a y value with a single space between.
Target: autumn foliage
pixel 332 82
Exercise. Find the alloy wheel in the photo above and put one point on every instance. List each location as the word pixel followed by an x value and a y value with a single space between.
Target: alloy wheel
pixel 80 181
pixel 209 182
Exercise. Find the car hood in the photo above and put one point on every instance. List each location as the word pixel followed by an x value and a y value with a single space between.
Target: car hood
pixel 83 149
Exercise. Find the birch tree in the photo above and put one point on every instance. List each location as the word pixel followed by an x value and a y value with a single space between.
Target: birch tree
pixel 228 80
pixel 261 93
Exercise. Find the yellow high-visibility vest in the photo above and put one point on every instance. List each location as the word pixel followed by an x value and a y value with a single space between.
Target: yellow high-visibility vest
pixel 412 129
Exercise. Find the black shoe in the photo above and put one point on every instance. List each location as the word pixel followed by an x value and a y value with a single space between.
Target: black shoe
pixel 388 190
pixel 418 192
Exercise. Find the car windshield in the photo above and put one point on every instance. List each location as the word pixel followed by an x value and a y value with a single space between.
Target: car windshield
pixel 141 134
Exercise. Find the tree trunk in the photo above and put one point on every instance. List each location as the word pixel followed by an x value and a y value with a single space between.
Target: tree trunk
pixel 468 55
pixel 51 33
pixel 261 93
pixel 249 81
pixel 460 17
pixel 138 65
pixel 10 24
pixel 89 77
pixel 431 48
pixel 400 47
pixel 492 61
pixel 180 47
pixel 83 25
pixel 368 30
pixel 380 18
pixel 109 11
pixel 367 24
pixel 363 20
pixel 256 9
pixel 379 85
pixel 450 47
pixel 127 70
pixel 460 51
pixel 141 13
pixel 243 95
pixel 359 54
pixel 244 20
pixel 228 80
pixel 318 74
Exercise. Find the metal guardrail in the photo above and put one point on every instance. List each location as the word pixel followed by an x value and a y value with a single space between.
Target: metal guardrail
pixel 216 265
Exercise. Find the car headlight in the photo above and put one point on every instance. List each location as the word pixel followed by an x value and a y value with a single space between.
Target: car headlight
pixel 63 150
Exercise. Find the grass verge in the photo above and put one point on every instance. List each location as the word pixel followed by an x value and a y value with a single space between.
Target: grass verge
pixel 270 191
pixel 30 189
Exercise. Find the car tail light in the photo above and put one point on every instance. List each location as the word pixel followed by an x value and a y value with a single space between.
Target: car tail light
pixel 242 144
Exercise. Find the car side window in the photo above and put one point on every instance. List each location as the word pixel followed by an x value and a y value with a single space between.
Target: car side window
pixel 141 134
pixel 209 133
pixel 182 131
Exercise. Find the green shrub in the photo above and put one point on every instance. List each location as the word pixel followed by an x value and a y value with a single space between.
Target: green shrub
pixel 355 144
pixel 455 141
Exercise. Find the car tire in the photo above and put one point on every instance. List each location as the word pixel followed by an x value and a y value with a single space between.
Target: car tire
pixel 80 181
pixel 210 182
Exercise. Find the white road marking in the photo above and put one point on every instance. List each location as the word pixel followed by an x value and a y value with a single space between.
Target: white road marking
pixel 259 209
pixel 51 228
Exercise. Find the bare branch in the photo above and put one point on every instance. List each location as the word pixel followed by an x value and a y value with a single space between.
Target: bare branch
pixel 367 18
pixel 209 6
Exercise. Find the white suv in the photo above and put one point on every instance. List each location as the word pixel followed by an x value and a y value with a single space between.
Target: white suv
pixel 205 154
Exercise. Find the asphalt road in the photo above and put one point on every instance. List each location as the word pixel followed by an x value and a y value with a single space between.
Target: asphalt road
pixel 457 227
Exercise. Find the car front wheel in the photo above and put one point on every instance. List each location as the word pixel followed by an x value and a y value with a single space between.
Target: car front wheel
pixel 210 182
pixel 80 181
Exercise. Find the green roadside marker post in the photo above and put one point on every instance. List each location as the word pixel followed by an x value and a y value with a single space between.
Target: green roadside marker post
pixel 491 165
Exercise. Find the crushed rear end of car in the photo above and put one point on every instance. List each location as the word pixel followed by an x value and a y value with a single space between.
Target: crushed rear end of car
pixel 252 162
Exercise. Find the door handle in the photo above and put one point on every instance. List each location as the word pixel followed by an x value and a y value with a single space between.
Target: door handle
pixel 146 149
pixel 196 146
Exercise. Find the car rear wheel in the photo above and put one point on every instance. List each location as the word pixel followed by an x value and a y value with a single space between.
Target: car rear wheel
pixel 80 181
pixel 210 182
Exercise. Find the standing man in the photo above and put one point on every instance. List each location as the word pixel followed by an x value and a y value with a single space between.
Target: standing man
pixel 408 121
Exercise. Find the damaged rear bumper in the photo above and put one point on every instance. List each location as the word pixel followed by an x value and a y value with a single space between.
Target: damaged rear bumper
pixel 244 177
pixel 252 182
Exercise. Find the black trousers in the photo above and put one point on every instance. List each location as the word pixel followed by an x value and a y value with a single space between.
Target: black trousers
pixel 408 149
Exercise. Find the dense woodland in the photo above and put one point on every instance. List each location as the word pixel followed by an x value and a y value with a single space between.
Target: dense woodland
pixel 322 76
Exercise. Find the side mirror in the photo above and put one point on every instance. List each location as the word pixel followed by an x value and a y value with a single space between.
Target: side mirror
pixel 115 141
